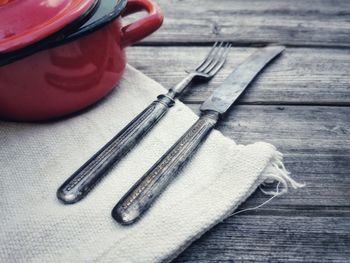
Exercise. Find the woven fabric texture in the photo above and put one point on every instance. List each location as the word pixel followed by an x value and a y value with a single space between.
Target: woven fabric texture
pixel 37 158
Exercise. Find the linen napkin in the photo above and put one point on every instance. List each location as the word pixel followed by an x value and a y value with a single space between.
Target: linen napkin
pixel 36 158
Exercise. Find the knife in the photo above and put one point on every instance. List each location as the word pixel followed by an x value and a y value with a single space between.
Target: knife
pixel 81 182
pixel 148 188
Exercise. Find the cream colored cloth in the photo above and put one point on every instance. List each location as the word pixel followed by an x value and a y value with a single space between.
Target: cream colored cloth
pixel 37 158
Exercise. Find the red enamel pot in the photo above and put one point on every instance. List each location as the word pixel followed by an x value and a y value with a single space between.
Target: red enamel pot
pixel 66 54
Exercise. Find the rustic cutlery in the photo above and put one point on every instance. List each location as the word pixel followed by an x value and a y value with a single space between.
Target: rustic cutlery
pixel 87 176
pixel 141 196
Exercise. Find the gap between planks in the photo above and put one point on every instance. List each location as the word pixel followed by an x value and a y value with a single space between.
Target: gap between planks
pixel 236 44
pixel 298 77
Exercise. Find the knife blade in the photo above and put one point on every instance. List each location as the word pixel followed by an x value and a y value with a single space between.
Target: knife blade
pixel 150 186
pixel 233 86
pixel 81 182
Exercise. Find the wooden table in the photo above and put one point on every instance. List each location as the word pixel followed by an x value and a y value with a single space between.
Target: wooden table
pixel 300 104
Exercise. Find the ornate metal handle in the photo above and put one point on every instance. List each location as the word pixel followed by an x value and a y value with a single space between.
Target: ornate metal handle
pixel 82 181
pixel 140 197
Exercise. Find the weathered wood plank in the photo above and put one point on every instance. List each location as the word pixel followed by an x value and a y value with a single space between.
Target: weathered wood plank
pixel 308 225
pixel 299 76
pixel 273 239
pixel 306 22
pixel 315 141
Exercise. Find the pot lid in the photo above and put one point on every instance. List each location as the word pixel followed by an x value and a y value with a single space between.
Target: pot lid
pixel 24 22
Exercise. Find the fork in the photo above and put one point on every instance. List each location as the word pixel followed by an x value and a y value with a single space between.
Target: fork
pixel 78 185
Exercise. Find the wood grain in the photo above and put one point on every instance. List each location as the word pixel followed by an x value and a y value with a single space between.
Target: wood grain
pixel 299 76
pixel 308 126
pixel 274 239
pixel 316 145
pixel 300 104
pixel 298 23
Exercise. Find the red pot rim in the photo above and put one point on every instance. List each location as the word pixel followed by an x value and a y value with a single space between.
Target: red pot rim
pixel 25 22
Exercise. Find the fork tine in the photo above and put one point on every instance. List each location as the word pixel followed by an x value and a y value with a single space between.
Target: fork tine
pixel 219 66
pixel 219 61
pixel 212 54
pixel 211 58
pixel 208 55
pixel 216 60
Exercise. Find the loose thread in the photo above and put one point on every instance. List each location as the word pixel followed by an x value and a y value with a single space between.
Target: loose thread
pixel 275 172
pixel 277 193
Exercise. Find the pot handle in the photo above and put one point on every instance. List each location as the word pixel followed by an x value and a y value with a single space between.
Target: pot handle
pixel 145 26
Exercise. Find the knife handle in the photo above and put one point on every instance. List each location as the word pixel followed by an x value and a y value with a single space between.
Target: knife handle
pixel 145 191
pixel 87 176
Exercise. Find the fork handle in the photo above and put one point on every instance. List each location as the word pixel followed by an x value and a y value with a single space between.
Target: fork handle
pixel 141 196
pixel 87 176
pixel 181 86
